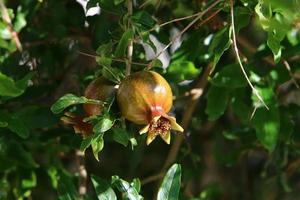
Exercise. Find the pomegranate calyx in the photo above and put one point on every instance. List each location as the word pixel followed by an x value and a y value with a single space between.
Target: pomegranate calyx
pixel 160 125
pixel 79 126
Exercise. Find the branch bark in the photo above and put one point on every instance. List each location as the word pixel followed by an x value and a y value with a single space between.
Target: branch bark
pixel 130 45
pixel 196 94
pixel 7 20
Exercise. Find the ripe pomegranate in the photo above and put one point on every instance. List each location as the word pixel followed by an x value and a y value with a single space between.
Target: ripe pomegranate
pixel 145 98
pixel 99 89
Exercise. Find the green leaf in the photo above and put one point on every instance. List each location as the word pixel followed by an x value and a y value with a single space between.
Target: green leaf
pixel 156 63
pixel 241 109
pixel 276 19
pixel 120 135
pixel 103 125
pixel 123 43
pixel 143 18
pixel 169 189
pixel 8 87
pixel 128 191
pixel 66 188
pixel 29 179
pixel 242 17
pixel 97 145
pixel 267 95
pixel 217 100
pixel 229 76
pixel 117 2
pixel 183 70
pixel 86 143
pixel 15 152
pixel 105 50
pixel 112 74
pixel 103 189
pixel 16 125
pixel 136 183
pixel 3 124
pixel 220 43
pixel 23 83
pixel 20 20
pixel 267 125
pixel 70 100
pixel 275 47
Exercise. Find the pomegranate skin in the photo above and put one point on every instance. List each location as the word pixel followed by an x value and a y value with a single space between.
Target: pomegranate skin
pixel 145 98
pixel 99 89
pixel 144 95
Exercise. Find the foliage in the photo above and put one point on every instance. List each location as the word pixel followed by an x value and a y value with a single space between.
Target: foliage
pixel 235 148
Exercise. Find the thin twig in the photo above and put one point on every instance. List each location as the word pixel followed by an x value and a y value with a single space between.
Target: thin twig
pixel 7 20
pixel 185 29
pixel 130 45
pixel 288 67
pixel 152 178
pixel 174 20
pixel 114 59
pixel 239 59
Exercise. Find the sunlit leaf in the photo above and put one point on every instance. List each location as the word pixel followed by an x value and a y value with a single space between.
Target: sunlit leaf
pixel 128 191
pixel 169 189
pixel 8 87
pixel 103 189
pixel 97 144
pixel 185 70
pixel 103 125
pixel 69 100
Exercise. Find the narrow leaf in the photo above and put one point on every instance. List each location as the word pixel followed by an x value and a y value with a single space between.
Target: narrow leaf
pixel 169 189
pixel 129 192
pixel 103 125
pixel 8 87
pixel 123 43
pixel 97 145
pixel 69 100
pixel 103 189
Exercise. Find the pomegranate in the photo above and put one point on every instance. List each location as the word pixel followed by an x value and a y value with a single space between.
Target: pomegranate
pixel 99 89
pixel 145 98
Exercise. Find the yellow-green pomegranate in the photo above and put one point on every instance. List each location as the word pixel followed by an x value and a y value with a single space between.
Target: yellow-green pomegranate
pixel 145 98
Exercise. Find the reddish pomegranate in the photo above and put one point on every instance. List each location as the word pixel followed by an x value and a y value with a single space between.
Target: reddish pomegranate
pixel 145 98
pixel 99 89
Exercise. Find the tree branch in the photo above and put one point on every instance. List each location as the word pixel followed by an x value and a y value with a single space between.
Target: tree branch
pixel 130 45
pixel 82 172
pixel 7 20
pixel 196 94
